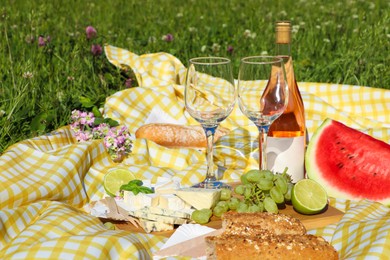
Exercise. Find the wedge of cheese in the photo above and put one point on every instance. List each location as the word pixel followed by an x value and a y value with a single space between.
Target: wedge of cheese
pixel 168 212
pixel 135 202
pixel 172 202
pixel 155 226
pixel 199 198
pixel 144 213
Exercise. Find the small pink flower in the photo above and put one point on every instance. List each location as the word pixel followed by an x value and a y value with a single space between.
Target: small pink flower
pixel 129 83
pixel 168 37
pixel 230 49
pixel 91 32
pixel 96 49
pixel 41 41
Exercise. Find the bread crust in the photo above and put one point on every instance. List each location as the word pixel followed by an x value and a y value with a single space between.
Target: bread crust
pixel 264 235
pixel 235 223
pixel 269 246
pixel 177 136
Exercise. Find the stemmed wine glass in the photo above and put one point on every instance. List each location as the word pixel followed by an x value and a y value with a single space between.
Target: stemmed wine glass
pixel 209 98
pixel 262 94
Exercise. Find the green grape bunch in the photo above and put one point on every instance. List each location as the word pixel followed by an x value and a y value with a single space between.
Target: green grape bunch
pixel 259 191
pixel 264 189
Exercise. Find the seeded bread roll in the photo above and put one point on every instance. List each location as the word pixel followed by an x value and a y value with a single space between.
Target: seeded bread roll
pixel 177 136
pixel 235 223
pixel 269 246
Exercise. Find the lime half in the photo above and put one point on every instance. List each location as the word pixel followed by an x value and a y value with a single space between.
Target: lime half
pixel 308 197
pixel 115 178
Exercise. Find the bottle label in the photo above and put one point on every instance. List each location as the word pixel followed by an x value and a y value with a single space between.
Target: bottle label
pixel 286 152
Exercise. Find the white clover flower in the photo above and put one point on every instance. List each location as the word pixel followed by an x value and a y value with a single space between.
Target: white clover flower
pixel 318 26
pixel 295 28
pixel 152 39
pixel 264 53
pixel 192 29
pixel 2 113
pixel 224 25
pixel 326 40
pixel 247 33
pixel 28 75
pixel 179 15
pixel 355 16
pixel 216 47
pixel 283 13
pixel 203 49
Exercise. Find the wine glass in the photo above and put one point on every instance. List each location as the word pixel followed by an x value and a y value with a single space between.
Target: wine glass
pixel 262 95
pixel 209 98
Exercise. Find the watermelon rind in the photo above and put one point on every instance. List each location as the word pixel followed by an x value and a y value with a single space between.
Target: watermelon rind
pixel 368 179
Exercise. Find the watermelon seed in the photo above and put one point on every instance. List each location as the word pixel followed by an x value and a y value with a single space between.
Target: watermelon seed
pixel 340 165
pixel 342 148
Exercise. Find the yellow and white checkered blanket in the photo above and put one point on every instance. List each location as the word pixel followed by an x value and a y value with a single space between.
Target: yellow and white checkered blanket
pixel 46 181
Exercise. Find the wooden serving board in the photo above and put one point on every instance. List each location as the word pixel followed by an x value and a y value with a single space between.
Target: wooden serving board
pixel 330 215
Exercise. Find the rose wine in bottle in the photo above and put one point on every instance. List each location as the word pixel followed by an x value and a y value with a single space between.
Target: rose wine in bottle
pixel 286 136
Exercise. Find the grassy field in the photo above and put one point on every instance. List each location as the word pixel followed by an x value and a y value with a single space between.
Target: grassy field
pixel 42 79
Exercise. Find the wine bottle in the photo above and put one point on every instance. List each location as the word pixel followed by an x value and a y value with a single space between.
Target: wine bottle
pixel 286 136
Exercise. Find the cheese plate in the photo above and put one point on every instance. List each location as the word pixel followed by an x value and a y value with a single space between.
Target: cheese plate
pixel 329 216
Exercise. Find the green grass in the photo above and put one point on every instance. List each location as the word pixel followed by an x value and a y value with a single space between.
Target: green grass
pixel 335 41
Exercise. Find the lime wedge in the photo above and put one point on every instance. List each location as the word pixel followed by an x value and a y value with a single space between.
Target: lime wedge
pixel 308 197
pixel 115 178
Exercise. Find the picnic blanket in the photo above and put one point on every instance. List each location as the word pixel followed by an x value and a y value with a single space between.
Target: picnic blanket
pixel 46 182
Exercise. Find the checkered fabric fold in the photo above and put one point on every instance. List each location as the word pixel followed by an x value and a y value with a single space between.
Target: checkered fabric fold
pixel 46 181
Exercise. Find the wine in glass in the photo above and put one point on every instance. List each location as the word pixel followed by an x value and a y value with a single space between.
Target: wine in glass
pixel 262 94
pixel 209 98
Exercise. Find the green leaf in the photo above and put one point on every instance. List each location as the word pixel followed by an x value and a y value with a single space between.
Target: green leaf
pixel 111 122
pixel 96 112
pixel 86 102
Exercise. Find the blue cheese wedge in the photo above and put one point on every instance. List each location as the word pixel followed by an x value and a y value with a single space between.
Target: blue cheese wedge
pixel 199 198
pixel 154 226
pixel 168 212
pixel 145 214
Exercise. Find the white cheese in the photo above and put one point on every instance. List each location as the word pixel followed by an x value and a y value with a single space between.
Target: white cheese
pixel 172 202
pixel 199 198
pixel 134 202
pixel 166 185
pixel 152 226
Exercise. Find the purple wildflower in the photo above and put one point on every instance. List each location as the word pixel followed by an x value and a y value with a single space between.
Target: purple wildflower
pixel 41 41
pixel 230 49
pixel 96 49
pixel 91 32
pixel 168 37
pixel 129 83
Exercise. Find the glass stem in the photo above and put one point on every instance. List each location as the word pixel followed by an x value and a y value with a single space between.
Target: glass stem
pixel 263 132
pixel 210 175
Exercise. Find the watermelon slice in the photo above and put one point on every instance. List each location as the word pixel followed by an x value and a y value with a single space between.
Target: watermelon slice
pixel 348 163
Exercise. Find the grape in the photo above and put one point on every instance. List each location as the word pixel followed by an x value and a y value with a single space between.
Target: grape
pixel 240 189
pixel 268 175
pixel 253 176
pixel 287 196
pixel 265 184
pixel 201 216
pixel 233 203
pixel 243 179
pixel 223 204
pixel 219 210
pixel 242 207
pixel 281 183
pixel 225 194
pixel 276 195
pixel 254 208
pixel 270 205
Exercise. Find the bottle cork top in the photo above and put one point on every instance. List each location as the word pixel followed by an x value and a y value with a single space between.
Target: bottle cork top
pixel 283 32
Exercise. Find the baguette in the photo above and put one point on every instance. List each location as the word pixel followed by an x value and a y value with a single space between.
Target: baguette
pixel 177 136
